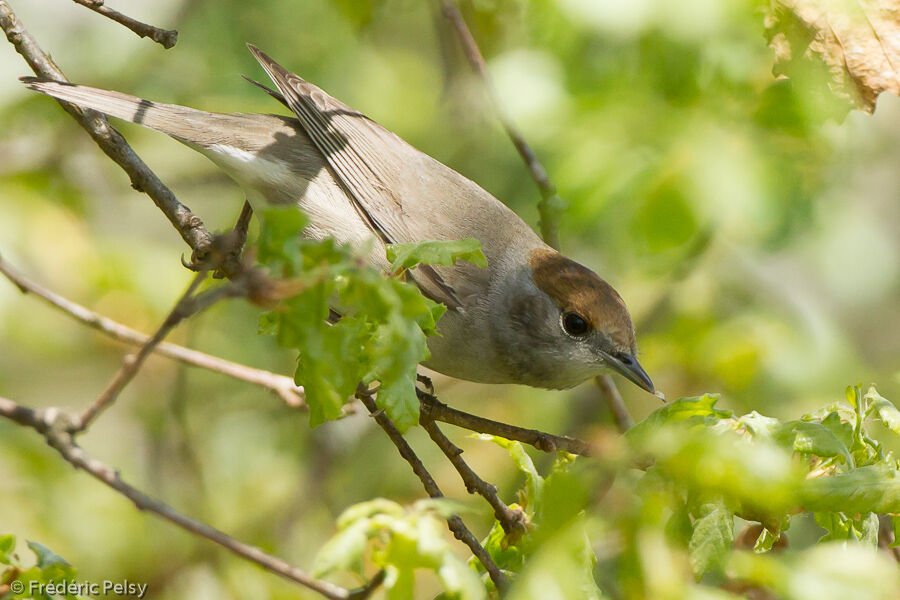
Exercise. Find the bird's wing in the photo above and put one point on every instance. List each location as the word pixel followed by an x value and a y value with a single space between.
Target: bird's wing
pixel 358 151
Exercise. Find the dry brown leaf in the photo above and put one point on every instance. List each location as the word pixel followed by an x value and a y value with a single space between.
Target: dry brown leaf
pixel 857 40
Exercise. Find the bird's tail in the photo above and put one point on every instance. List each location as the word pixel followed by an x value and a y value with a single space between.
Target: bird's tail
pixel 177 121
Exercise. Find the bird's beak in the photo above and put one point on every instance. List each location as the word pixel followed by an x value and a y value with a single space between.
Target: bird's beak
pixel 628 367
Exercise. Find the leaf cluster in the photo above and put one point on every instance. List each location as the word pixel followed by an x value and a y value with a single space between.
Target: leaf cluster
pixel 351 324
pixel 656 514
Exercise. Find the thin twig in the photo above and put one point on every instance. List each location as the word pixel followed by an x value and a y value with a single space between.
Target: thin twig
pixel 55 426
pixel 512 521
pixel 164 37
pixel 110 141
pixel 454 522
pixel 607 386
pixel 133 362
pixel 292 394
pixel 188 305
pixel 551 205
pixel 545 442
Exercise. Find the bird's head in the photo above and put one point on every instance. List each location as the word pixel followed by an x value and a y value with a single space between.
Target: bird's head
pixel 565 324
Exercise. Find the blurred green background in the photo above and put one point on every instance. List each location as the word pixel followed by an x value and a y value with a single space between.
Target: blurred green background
pixel 756 242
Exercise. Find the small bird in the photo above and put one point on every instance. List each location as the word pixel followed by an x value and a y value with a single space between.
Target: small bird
pixel 532 316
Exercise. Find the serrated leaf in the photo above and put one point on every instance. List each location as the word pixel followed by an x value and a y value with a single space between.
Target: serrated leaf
pixel 835 524
pixel 841 429
pixel 712 538
pixel 398 399
pixel 380 335
pixel 434 252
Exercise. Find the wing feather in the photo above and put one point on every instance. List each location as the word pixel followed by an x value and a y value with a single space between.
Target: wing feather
pixel 354 147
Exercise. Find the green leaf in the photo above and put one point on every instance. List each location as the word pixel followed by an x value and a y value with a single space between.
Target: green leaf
pixel 534 482
pixel 835 524
pixel 766 540
pixel 759 425
pixel 279 243
pixel 866 529
pixel 45 556
pixel 692 411
pixel 397 397
pixel 506 556
pixel 330 366
pixel 344 550
pixel 563 565
pixel 885 410
pixel 679 528
pixel 400 581
pixel 365 510
pixel 7 547
pixel 840 527
pixel 873 488
pixel 434 252
pixel 712 538
pixel 809 437
pixel 841 429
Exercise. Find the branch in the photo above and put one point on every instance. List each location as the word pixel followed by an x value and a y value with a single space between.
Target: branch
pixel 512 521
pixel 231 245
pixel 610 392
pixel 251 283
pixel 186 306
pixel 551 205
pixel 454 522
pixel 111 141
pixel 545 442
pixel 164 37
pixel 54 425
pixel 281 385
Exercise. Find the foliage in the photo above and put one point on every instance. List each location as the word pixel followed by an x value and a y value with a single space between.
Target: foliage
pixel 403 540
pixel 660 123
pixel 18 581
pixel 383 322
pixel 668 528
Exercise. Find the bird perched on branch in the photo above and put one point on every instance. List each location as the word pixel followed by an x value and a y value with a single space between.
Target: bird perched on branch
pixel 532 316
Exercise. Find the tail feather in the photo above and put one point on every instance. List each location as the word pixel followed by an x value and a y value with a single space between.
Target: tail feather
pixel 176 121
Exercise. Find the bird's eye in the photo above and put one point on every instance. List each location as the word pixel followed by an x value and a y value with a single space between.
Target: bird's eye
pixel 575 324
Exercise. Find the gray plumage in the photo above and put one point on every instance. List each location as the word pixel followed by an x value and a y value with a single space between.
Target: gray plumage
pixel 362 185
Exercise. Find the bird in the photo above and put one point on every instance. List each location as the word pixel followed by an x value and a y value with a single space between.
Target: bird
pixel 531 316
